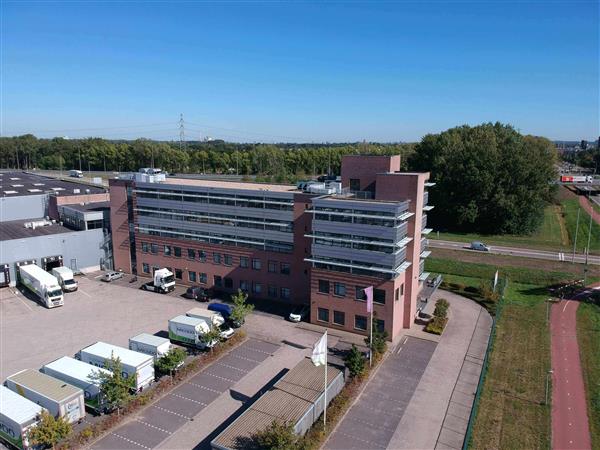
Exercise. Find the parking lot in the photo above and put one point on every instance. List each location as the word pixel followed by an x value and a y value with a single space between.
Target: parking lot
pixel 171 412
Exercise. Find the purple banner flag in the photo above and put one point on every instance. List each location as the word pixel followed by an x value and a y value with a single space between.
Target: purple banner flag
pixel 369 295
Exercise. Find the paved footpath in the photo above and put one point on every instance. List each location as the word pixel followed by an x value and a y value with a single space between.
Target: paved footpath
pixel 570 426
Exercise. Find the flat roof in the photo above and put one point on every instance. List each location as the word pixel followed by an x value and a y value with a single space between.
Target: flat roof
pixel 15 229
pixel 106 351
pixel 45 385
pixel 150 339
pixel 249 186
pixel 74 368
pixel 87 207
pixel 287 401
pixel 18 408
pixel 18 184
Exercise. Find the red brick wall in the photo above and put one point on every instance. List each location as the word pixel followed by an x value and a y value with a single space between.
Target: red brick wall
pixel 366 168
pixel 55 200
pixel 119 225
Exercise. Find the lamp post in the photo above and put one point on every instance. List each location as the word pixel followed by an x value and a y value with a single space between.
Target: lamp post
pixel 548 374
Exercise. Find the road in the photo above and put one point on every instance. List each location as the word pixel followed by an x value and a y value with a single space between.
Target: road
pixel 519 252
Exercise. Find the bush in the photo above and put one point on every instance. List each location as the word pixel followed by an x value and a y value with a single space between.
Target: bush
pixel 355 362
pixel 277 436
pixel 441 308
pixel 437 325
pixel 49 431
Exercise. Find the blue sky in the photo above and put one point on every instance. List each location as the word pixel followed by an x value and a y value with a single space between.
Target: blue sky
pixel 298 71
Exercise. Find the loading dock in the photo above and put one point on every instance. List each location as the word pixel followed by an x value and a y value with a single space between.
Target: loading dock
pixel 50 262
pixel 4 275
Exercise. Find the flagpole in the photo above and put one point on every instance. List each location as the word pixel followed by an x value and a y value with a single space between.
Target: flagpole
pixel 371 341
pixel 325 391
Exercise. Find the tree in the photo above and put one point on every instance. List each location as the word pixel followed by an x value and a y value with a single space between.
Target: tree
pixel 441 308
pixel 115 389
pixel 277 436
pixel 379 341
pixel 171 361
pixel 49 431
pixel 355 362
pixel 212 335
pixel 489 178
pixel 240 308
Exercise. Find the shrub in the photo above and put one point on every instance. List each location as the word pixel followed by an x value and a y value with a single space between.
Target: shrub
pixel 472 289
pixel 437 325
pixel 441 308
pixel 49 431
pixel 277 436
pixel 355 362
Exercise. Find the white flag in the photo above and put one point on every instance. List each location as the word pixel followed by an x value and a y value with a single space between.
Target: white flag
pixel 495 280
pixel 319 354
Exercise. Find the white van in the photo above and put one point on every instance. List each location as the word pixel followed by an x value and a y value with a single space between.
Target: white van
pixel 65 278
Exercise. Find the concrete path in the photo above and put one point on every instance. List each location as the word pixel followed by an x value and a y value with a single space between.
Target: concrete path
pixel 570 426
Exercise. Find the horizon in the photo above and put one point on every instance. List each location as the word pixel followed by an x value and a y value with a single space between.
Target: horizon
pixel 281 72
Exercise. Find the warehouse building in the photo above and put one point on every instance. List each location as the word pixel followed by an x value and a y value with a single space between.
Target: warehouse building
pixel 318 244
pixel 298 398
pixel 51 223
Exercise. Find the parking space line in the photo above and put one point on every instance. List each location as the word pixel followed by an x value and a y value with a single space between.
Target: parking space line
pixel 217 376
pixel 205 388
pixel 244 358
pixel 129 440
pixel 84 293
pixel 371 424
pixel 230 367
pixel 26 305
pixel 171 412
pixel 153 426
pixel 189 399
pixel 369 443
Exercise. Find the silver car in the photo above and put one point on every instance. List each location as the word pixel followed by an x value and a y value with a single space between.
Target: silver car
pixel 111 276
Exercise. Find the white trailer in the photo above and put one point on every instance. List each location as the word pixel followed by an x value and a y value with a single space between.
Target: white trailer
pixel 155 346
pixel 189 331
pixel 43 285
pixel 17 416
pixel 79 374
pixel 59 398
pixel 66 278
pixel 135 364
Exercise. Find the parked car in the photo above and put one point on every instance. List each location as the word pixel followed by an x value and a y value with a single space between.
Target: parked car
pixel 480 246
pixel 197 293
pixel 111 276
pixel 299 313
pixel 225 311
pixel 226 331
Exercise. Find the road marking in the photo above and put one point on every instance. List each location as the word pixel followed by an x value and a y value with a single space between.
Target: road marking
pixel 566 304
pixel 188 399
pixel 231 367
pixel 129 440
pixel 204 387
pixel 354 437
pixel 155 427
pixel 26 305
pixel 85 293
pixel 217 376
pixel 171 412
pixel 243 357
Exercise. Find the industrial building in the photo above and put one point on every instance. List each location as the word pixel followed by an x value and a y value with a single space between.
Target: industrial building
pixel 298 398
pixel 318 244
pixel 51 223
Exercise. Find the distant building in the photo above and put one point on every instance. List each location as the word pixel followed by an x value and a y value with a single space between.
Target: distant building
pixel 318 244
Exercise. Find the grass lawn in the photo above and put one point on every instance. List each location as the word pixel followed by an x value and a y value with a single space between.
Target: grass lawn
pixel 588 336
pixel 570 208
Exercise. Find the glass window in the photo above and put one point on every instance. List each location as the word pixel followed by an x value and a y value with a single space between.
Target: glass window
pixel 192 276
pixel 145 247
pixel 177 251
pixel 379 296
pixel 168 250
pixel 272 266
pixel 323 315
pixel 228 260
pixel 228 283
pixel 272 291
pixel 154 248
pixel 257 288
pixel 285 293
pixel 397 294
pixel 217 258
pixel 191 253
pixel 244 285
pixel 339 289
pixel 402 289
pixel 178 274
pixel 256 264
pixel 379 325
pixel 145 267
pixel 201 255
pixel 203 278
pixel 244 262
pixel 324 286
pixel 339 317
pixel 285 268
pixel 360 293
pixel 218 281
pixel 360 322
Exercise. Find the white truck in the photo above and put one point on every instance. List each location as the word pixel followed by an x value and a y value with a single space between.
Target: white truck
pixel 17 416
pixel 190 331
pixel 43 285
pixel 135 364
pixel 155 346
pixel 79 374
pixel 66 278
pixel 76 173
pixel 163 281
pixel 59 398
pixel 212 317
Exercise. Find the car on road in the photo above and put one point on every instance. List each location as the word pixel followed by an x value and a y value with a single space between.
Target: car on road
pixel 479 246
pixel 299 313
pixel 197 293
pixel 111 276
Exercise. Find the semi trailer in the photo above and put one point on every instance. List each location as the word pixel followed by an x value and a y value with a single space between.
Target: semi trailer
pixel 163 281
pixel 44 286
pixel 190 331
pixel 65 278
pixel 81 375
pixel 59 398
pixel 134 364
pixel 17 416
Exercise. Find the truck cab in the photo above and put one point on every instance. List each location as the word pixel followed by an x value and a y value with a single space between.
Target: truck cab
pixel 163 281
